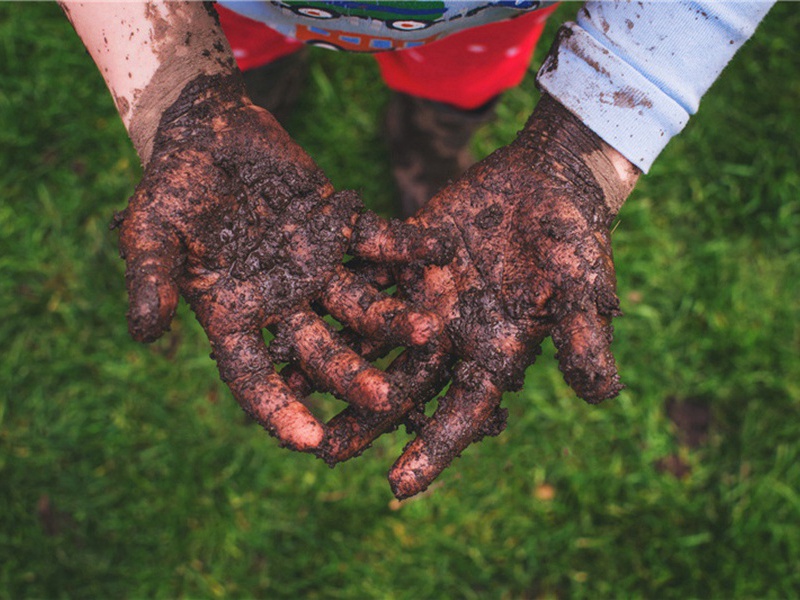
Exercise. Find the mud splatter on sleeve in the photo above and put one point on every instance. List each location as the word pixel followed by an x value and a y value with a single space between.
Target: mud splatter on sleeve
pixel 635 71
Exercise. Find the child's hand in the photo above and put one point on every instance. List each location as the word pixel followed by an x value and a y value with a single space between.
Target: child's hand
pixel 237 218
pixel 533 258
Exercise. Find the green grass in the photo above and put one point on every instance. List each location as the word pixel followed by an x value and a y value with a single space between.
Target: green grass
pixel 128 471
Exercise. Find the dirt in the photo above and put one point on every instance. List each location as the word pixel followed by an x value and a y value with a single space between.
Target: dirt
pixel 238 219
pixel 675 466
pixel 187 45
pixel 630 98
pixel 53 521
pixel 532 258
pixel 235 217
pixel 692 420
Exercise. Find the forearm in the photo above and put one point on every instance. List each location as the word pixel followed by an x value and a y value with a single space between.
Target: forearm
pixel 147 52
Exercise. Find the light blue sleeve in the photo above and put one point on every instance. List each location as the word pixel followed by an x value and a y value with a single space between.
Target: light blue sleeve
pixel 634 72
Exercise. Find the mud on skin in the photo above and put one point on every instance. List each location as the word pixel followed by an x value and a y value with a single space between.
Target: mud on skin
pixel 235 217
pixel 532 259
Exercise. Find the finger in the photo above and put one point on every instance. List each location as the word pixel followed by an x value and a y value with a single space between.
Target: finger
pixel 400 242
pixel 423 374
pixel 300 383
pixel 244 364
pixel 297 380
pixel 375 315
pixel 376 274
pixel 459 420
pixel 152 260
pixel 333 365
pixel 583 339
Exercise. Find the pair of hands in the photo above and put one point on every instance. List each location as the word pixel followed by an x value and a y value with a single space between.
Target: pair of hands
pixel 235 217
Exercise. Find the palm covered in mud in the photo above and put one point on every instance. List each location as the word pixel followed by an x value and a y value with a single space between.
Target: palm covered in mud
pixel 235 217
pixel 238 219
pixel 533 258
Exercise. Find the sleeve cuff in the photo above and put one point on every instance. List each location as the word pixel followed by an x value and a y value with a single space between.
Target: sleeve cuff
pixel 613 99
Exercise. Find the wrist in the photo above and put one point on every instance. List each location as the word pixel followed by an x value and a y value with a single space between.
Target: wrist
pixel 573 151
pixel 199 101
pixel 165 99
pixel 192 48
pixel 147 52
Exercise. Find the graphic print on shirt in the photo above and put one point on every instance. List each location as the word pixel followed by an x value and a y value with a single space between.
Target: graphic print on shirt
pixel 378 26
pixel 403 16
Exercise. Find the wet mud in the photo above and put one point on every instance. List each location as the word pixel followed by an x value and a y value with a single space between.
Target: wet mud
pixel 532 259
pixel 235 217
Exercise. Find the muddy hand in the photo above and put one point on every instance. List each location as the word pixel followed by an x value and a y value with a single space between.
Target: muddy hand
pixel 237 218
pixel 533 258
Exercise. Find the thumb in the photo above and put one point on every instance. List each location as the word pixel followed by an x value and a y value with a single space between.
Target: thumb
pixel 583 339
pixel 152 257
pixel 391 242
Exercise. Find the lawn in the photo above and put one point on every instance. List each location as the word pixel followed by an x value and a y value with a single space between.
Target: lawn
pixel 129 472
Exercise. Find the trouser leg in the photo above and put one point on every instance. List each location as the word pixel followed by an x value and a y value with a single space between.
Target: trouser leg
pixel 429 145
pixel 274 66
pixel 443 92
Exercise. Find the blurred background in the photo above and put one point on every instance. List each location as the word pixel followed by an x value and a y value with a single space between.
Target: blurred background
pixel 128 470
